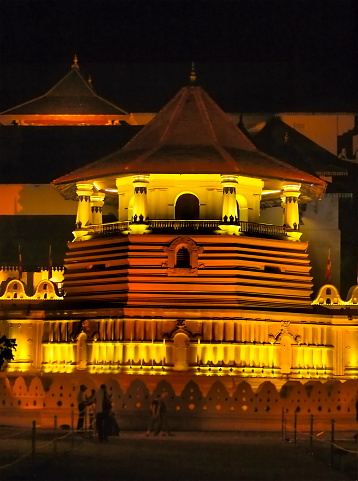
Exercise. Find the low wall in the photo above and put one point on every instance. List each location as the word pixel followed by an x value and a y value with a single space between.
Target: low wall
pixel 194 403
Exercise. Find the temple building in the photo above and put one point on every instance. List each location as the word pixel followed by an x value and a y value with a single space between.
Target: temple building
pixel 201 286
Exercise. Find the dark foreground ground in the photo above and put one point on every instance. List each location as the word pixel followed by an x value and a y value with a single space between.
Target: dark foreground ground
pixel 184 456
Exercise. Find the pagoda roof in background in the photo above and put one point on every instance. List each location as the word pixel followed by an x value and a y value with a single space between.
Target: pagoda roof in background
pixel 72 95
pixel 284 142
pixel 191 134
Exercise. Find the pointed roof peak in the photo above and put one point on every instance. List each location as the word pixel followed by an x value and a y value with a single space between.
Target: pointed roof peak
pixel 75 62
pixel 192 73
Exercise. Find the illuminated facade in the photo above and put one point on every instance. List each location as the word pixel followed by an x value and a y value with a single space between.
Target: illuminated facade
pixel 189 290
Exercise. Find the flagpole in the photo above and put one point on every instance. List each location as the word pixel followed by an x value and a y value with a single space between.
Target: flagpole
pixel 20 263
pixel 328 272
pixel 50 263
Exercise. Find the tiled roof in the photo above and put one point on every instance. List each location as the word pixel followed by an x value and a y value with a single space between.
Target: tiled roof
pixel 72 95
pixel 191 134
pixel 282 141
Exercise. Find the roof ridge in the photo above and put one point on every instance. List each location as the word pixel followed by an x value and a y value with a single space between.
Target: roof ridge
pixel 203 110
pixel 21 105
pixel 71 72
pixel 179 104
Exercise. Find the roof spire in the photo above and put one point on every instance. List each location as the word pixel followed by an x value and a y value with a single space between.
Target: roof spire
pixel 90 81
pixel 75 62
pixel 192 73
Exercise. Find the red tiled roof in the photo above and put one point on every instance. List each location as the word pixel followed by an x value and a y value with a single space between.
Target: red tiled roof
pixel 191 134
pixel 72 95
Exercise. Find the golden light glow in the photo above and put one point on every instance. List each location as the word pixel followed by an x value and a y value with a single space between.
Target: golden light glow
pixel 266 192
pixel 293 187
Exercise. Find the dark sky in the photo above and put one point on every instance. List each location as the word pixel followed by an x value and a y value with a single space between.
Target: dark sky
pixel 250 55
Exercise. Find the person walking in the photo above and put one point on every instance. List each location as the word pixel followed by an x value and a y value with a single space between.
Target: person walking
pixel 81 403
pixel 103 406
pixel 163 425
pixel 154 416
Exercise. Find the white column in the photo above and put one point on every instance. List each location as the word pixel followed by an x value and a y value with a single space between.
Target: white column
pixel 289 199
pixel 140 207
pixel 229 205
pixel 97 201
pixel 84 192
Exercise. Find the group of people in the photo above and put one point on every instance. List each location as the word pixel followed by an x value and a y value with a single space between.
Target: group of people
pixel 101 416
pixel 100 408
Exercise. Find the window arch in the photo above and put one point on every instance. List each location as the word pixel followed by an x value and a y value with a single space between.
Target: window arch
pixel 187 207
pixel 182 257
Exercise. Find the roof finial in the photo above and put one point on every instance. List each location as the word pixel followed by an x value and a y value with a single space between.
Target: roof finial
pixel 75 62
pixel 192 73
pixel 90 81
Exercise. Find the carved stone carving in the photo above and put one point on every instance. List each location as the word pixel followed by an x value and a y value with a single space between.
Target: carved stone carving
pixel 194 251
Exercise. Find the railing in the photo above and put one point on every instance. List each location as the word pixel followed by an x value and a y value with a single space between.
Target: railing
pixel 262 229
pixel 108 229
pixel 254 228
pixel 184 224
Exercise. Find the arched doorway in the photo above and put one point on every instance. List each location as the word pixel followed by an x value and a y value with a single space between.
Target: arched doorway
pixel 181 352
pixel 187 207
pixel 82 351
pixel 242 209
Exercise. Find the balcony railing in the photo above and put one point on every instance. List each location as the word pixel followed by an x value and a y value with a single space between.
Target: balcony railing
pixel 249 228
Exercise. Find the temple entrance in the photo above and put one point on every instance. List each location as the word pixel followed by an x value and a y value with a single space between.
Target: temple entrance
pixel 187 207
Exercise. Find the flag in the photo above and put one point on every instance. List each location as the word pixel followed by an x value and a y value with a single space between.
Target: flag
pixel 328 273
pixel 20 264
pixel 50 262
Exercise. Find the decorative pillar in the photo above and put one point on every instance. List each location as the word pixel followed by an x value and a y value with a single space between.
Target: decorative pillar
pixel 229 205
pixel 84 192
pixel 97 201
pixel 140 206
pixel 289 199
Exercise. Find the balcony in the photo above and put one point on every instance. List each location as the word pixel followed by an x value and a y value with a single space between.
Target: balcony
pixel 199 226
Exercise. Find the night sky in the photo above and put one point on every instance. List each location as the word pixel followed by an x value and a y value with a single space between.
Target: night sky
pixel 250 55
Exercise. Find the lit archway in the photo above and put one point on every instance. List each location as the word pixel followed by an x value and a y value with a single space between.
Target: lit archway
pixel 187 207
pixel 242 209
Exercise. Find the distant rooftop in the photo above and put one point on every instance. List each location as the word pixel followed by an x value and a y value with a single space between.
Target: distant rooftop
pixel 72 95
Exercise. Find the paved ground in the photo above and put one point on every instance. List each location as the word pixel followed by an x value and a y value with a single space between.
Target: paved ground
pixel 182 457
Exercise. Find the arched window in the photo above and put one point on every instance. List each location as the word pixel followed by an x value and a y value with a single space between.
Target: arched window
pixel 183 258
pixel 328 291
pixel 187 207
